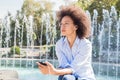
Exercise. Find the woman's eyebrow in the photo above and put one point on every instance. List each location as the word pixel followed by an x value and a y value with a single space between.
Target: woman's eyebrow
pixel 67 21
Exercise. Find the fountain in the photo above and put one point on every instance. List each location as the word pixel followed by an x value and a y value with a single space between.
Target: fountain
pixel 105 38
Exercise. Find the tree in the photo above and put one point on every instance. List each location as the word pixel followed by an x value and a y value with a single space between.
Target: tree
pixel 99 5
pixel 84 4
pixel 36 9
pixel 118 7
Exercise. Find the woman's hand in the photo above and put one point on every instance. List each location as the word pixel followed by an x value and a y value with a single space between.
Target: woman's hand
pixel 49 69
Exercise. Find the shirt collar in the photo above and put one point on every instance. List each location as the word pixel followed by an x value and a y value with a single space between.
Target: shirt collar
pixel 76 40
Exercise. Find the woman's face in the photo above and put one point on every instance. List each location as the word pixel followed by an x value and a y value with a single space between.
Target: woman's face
pixel 67 26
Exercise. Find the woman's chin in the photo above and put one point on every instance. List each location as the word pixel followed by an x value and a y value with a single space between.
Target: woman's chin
pixel 63 34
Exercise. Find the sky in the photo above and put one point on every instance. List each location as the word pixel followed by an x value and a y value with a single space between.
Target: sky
pixel 13 5
pixel 9 5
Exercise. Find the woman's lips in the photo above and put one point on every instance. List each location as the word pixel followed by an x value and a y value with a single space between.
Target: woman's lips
pixel 63 30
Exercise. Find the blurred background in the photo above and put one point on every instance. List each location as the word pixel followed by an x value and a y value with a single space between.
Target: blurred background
pixel 29 31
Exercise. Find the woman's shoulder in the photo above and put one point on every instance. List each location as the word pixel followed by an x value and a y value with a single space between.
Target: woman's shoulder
pixel 60 41
pixel 85 41
pixel 85 44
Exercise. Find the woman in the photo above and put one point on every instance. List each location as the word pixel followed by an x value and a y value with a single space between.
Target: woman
pixel 73 49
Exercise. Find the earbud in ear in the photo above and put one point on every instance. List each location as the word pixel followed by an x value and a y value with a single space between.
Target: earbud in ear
pixel 76 26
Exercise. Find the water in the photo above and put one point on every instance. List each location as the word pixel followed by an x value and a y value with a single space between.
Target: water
pixel 106 45
pixel 105 38
pixel 35 74
pixel 32 74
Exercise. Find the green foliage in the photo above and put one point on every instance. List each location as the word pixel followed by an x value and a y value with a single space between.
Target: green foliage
pixel 36 9
pixel 118 7
pixel 99 5
pixel 15 49
pixel 34 36
pixel 84 4
pixel 29 7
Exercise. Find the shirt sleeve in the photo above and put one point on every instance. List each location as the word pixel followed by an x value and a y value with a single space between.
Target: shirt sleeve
pixel 81 65
pixel 63 63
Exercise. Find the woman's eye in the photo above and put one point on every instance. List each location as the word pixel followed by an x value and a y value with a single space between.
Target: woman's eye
pixel 66 23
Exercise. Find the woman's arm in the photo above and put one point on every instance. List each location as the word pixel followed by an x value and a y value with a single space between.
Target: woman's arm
pixel 63 71
pixel 62 59
pixel 49 69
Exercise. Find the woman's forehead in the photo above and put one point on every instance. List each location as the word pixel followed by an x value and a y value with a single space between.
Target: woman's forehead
pixel 67 19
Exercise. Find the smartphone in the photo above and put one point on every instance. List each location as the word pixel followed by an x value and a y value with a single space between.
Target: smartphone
pixel 43 63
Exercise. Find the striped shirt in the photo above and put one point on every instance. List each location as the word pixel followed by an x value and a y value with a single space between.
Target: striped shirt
pixel 78 58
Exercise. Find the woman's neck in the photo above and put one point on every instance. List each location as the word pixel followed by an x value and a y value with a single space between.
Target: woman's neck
pixel 71 40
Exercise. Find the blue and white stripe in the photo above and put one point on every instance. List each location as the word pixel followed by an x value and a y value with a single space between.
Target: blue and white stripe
pixel 78 58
